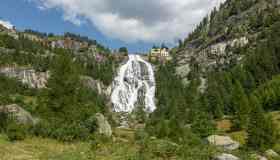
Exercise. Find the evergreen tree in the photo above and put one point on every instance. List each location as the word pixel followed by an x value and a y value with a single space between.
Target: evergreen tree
pixel 241 107
pixel 64 83
pixel 203 125
pixel 261 130
pixel 214 98
pixel 123 50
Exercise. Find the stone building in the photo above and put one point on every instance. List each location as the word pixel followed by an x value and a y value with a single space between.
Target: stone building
pixel 160 54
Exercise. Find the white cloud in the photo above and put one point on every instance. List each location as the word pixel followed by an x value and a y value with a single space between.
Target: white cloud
pixel 136 20
pixel 6 24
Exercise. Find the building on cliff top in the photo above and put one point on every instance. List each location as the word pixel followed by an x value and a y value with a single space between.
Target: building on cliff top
pixel 161 54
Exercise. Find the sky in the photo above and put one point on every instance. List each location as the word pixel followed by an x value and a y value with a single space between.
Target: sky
pixel 136 24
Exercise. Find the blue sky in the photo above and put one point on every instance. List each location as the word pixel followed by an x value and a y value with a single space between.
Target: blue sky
pixel 136 24
pixel 26 15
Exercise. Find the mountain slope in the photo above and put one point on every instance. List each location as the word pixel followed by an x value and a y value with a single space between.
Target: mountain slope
pixel 223 66
pixel 237 24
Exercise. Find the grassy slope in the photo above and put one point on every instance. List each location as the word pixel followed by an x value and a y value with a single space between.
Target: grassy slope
pixel 42 149
pixel 47 149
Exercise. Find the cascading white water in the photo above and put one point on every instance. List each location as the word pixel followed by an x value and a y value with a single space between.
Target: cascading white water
pixel 134 83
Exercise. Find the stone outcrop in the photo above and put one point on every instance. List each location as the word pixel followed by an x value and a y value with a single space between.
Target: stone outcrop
pixel 225 156
pixel 210 57
pixel 18 113
pixel 103 125
pixel 96 85
pixel 223 141
pixel 27 76
pixel 39 80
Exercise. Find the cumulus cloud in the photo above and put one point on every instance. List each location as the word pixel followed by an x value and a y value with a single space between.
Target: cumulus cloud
pixel 136 20
pixel 6 24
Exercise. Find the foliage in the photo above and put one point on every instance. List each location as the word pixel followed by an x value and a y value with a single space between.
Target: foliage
pixel 262 133
pixel 3 121
pixel 203 125
pixel 16 131
pixel 123 50
pixel 66 105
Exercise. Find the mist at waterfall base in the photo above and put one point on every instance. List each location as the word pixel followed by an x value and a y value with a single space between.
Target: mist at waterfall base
pixel 134 86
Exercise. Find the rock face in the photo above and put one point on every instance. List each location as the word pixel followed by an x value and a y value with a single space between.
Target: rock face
pixel 103 125
pixel 208 58
pixel 223 142
pixel 27 76
pixel 18 113
pixel 96 85
pixel 225 156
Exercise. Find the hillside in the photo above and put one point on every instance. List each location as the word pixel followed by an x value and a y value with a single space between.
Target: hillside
pixel 217 99
pixel 220 69
pixel 215 42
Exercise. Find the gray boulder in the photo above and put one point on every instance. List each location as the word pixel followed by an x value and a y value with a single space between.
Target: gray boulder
pixel 224 142
pixel 225 156
pixel 103 125
pixel 19 114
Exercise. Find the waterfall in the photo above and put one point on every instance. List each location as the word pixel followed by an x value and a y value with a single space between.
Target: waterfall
pixel 134 86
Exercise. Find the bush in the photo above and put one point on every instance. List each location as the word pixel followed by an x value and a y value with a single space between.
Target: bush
pixel 3 121
pixel 57 129
pixel 16 132
pixel 71 132
pixel 90 124
pixel 162 148
pixel 97 140
pixel 193 147
pixel 141 134
pixel 203 125
pixel 43 128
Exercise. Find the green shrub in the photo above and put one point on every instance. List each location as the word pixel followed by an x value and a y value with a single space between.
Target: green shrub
pixel 97 140
pixel 203 125
pixel 62 131
pixel 141 134
pixel 71 132
pixel 90 124
pixel 163 148
pixel 3 121
pixel 43 128
pixel 16 131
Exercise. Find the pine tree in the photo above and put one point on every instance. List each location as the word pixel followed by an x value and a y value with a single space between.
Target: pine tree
pixel 203 124
pixel 63 83
pixel 261 130
pixel 214 98
pixel 241 107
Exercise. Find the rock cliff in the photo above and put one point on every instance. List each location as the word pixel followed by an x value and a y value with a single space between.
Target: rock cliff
pixel 27 76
